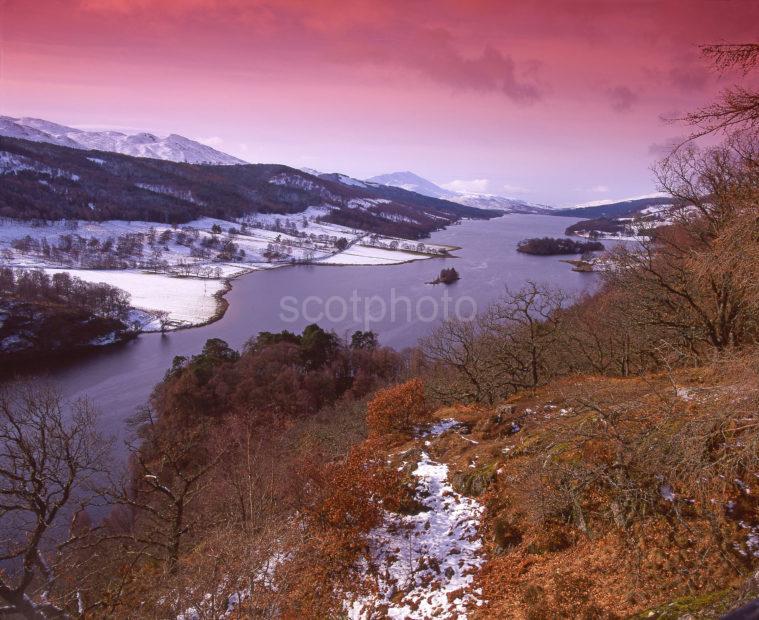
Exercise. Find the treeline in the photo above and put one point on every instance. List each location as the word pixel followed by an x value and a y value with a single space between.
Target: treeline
pixel 63 289
pixel 547 246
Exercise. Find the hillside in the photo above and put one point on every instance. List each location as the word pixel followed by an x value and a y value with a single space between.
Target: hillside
pixel 627 219
pixel 590 496
pixel 624 208
pixel 45 181
pixel 541 474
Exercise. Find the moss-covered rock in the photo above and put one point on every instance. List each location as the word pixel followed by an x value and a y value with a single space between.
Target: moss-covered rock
pixel 474 482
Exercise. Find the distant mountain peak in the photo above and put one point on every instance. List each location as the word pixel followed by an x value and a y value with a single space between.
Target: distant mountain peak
pixel 141 144
pixel 413 182
pixel 606 201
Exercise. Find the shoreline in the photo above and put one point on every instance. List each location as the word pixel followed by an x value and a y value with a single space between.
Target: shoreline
pixel 172 299
pixel 191 305
pixel 223 304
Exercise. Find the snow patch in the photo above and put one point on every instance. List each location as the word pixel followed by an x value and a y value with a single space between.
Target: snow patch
pixel 440 427
pixel 362 255
pixel 426 563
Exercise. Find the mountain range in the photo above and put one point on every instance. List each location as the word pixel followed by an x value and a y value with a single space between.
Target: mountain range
pixel 52 182
pixel 414 183
pixel 143 144
pixel 179 149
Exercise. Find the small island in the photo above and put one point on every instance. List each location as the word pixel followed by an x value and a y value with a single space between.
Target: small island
pixel 447 276
pixel 581 266
pixel 549 246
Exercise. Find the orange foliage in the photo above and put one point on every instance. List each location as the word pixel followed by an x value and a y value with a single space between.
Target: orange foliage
pixel 355 488
pixel 347 501
pixel 397 409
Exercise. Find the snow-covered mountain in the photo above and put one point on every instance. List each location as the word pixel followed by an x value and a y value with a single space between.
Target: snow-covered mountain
pixel 491 201
pixel 172 147
pixel 414 183
pixel 345 179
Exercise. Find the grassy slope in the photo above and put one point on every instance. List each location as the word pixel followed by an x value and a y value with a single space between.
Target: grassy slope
pixel 543 565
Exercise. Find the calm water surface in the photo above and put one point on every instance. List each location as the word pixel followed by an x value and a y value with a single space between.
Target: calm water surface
pixel 120 379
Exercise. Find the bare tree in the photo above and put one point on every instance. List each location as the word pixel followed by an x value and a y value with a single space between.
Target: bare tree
pixel 459 349
pixel 524 326
pixel 738 106
pixel 168 472
pixel 598 336
pixel 511 346
pixel 690 278
pixel 49 454
pixel 162 316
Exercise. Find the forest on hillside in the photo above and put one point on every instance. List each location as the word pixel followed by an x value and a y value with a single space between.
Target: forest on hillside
pixel 612 444
pixel 50 182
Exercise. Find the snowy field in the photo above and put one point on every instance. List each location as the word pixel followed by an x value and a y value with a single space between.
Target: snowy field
pixel 189 301
pixel 254 241
pixel 362 255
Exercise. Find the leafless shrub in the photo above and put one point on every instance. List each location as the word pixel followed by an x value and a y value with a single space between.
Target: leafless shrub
pixel 513 345
pixel 50 454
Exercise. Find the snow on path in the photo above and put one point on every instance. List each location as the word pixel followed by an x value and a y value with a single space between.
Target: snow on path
pixel 426 563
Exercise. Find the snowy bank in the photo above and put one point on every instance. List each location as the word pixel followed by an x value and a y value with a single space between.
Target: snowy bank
pixel 189 301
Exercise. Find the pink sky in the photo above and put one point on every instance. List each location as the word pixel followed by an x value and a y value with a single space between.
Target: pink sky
pixel 556 101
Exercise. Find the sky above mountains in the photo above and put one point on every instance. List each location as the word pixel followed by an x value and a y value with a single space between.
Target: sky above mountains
pixel 559 101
